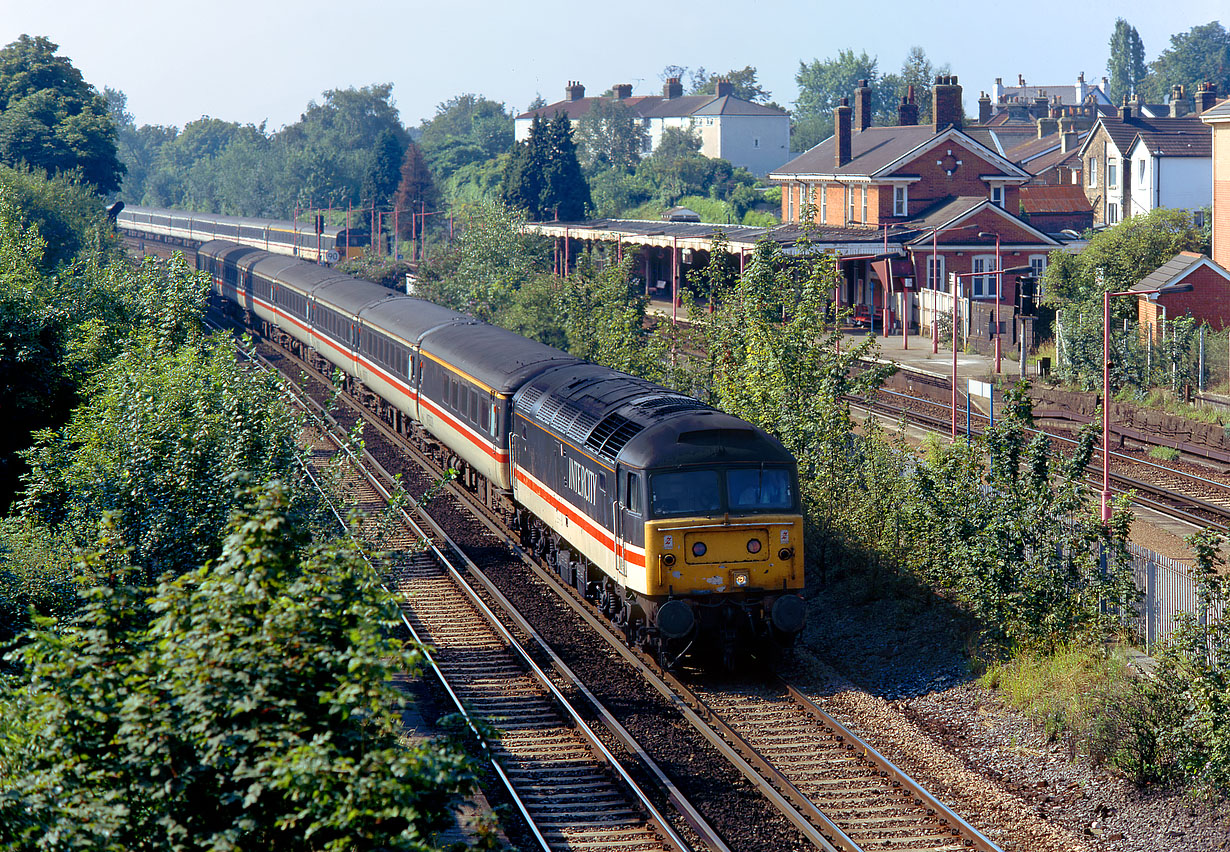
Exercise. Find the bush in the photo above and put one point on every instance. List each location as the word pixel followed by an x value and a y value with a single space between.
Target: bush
pixel 1166 454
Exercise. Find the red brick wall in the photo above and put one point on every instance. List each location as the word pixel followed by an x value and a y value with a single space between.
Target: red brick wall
pixel 935 184
pixel 1208 302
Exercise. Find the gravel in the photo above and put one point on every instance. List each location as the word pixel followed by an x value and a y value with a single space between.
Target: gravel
pixel 895 671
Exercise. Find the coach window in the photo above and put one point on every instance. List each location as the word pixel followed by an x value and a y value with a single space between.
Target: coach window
pixel 473 405
pixel 495 422
pixel 484 419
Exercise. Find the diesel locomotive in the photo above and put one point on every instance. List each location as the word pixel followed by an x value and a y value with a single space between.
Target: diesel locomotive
pixel 682 522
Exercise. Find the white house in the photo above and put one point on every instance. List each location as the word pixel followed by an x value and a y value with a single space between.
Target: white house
pixel 747 134
pixel 1173 170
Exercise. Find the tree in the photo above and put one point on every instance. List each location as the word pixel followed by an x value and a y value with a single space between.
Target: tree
pixel 1119 257
pixel 416 191
pixel 51 119
pixel 610 136
pixel 543 176
pixel 249 704
pixel 465 129
pixel 916 71
pixel 1126 65
pixel 743 85
pixel 1202 53
pixel 822 85
pixel 384 169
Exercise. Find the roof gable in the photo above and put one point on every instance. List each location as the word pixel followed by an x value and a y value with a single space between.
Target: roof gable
pixel 957 217
pixel 1180 266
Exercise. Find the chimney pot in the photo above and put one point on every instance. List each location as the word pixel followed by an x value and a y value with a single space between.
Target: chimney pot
pixel 1206 97
pixel 724 88
pixel 574 91
pixel 623 91
pixel 672 89
pixel 946 106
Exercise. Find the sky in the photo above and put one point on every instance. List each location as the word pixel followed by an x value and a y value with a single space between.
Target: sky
pixel 265 60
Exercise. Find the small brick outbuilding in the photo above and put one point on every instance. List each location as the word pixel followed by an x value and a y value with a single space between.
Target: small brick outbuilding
pixel 1207 301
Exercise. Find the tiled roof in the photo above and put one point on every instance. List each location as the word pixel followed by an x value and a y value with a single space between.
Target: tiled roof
pixel 1053 158
pixel 1068 94
pixel 1182 137
pixel 1221 112
pixel 1174 270
pixel 870 150
pixel 1065 198
pixel 1003 138
pixel 657 106
pixel 1039 155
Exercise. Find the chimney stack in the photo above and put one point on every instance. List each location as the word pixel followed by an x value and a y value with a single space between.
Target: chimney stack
pixel 672 89
pixel 1068 137
pixel 1047 126
pixel 1178 101
pixel 724 88
pixel 907 110
pixel 574 91
pixel 862 106
pixel 1125 111
pixel 844 142
pixel 984 108
pixel 1206 97
pixel 946 106
pixel 623 91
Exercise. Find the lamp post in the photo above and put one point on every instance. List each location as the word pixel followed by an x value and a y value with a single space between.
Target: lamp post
pixel 957 276
pixel 1153 294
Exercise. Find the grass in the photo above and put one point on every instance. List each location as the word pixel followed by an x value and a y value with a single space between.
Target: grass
pixel 1166 454
pixel 1061 690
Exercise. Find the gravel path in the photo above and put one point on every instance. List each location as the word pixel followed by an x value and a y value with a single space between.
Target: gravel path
pixel 899 676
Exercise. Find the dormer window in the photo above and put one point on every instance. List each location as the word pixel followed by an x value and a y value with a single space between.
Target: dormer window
pixel 997 196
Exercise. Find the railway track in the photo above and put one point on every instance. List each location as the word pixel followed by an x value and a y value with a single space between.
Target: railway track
pixel 833 788
pixel 569 787
pixel 1186 496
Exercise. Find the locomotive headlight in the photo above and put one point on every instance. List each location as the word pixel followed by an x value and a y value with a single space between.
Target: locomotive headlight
pixel 699 549
pixel 785 553
pixel 740 577
pixel 753 545
pixel 668 559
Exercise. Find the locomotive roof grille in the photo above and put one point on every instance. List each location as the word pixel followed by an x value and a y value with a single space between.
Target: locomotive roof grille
pixel 612 435
pixel 531 395
pixel 660 405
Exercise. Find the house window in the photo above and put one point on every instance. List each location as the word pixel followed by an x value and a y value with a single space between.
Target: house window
pixel 982 285
pixel 824 202
pixel 864 196
pixel 1140 169
pixel 1093 172
pixel 935 271
pixel 790 203
pixel 901 200
pixel 1112 213
pixel 997 196
pixel 1112 174
pixel 849 204
pixel 1038 263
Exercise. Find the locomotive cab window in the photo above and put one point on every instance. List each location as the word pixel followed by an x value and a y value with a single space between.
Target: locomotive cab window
pixel 759 489
pixel 632 493
pixel 687 492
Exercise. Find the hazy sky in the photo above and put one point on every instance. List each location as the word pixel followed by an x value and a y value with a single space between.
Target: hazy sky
pixel 260 61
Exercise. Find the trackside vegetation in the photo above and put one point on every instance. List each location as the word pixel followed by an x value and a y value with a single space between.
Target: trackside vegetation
pixel 189 656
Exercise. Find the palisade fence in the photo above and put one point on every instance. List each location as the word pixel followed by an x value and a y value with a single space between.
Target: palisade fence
pixel 1168 589
pixel 1175 353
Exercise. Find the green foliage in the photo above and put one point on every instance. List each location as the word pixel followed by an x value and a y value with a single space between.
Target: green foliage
pixel 822 85
pixel 1119 257
pixel 602 306
pixel 1024 553
pixel 534 311
pixel 1126 65
pixel 383 172
pixel 51 119
pixel 168 424
pixel 743 84
pixel 1202 53
pixel 36 573
pixel 467 129
pixel 490 259
pixel 1167 454
pixel 610 136
pixel 543 175
pixel 416 190
pixel 248 704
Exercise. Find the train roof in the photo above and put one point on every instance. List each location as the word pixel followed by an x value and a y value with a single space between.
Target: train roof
pixel 411 319
pixel 494 356
pixel 134 214
pixel 636 422
pixel 228 252
pixel 352 295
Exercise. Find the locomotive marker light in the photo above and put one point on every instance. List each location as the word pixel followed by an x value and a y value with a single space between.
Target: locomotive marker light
pixel 1152 294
